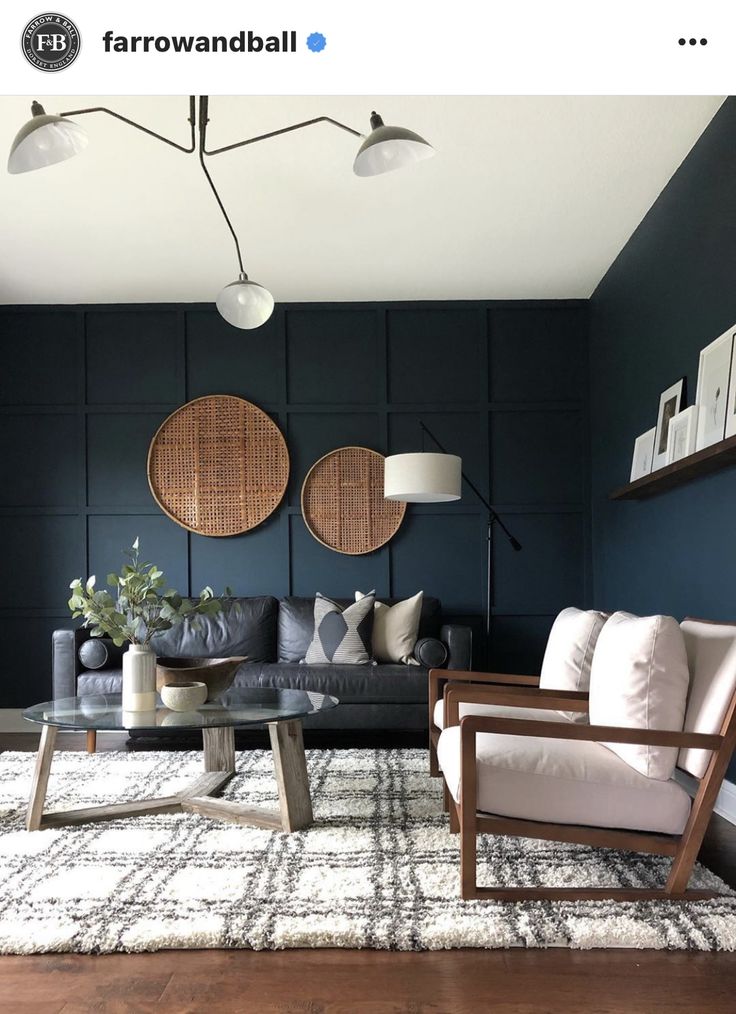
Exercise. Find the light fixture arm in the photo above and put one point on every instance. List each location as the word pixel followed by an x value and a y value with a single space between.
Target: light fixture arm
pixel 139 126
pixel 493 516
pixel 203 121
pixel 284 130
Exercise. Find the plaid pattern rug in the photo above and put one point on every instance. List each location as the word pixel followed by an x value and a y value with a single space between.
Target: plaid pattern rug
pixel 378 869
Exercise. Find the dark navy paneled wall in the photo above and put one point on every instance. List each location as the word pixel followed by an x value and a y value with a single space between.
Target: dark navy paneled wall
pixel 83 390
pixel 671 291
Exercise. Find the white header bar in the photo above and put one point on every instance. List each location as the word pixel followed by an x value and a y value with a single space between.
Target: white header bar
pixel 410 47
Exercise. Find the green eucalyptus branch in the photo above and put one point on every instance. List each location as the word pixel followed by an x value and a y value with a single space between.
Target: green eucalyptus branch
pixel 138 607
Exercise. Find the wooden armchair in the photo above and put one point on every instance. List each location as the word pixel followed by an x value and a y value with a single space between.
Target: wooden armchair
pixel 473 783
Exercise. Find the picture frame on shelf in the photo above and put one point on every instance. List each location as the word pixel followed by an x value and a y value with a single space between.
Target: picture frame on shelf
pixel 641 463
pixel 714 374
pixel 731 407
pixel 671 402
pixel 682 434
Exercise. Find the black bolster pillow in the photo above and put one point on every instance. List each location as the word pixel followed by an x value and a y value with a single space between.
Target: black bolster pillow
pixel 100 653
pixel 430 652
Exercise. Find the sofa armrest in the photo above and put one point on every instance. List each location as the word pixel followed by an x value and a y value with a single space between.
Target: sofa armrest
pixel 459 641
pixel 65 661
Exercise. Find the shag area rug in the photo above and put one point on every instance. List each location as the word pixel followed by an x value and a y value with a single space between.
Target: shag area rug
pixel 378 869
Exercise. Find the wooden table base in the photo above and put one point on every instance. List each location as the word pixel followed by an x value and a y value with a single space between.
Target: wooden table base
pixel 287 745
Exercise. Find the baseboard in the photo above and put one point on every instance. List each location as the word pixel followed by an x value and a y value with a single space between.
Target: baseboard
pixel 726 801
pixel 11 720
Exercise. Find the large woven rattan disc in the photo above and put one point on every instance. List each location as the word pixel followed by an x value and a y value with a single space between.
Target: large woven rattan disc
pixel 218 465
pixel 343 504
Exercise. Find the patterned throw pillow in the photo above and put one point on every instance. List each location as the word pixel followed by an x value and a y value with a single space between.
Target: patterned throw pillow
pixel 341 636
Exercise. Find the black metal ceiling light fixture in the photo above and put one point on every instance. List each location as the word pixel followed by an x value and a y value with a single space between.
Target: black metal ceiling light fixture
pixel 47 139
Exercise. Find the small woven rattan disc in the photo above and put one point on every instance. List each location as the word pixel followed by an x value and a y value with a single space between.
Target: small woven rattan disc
pixel 218 465
pixel 343 505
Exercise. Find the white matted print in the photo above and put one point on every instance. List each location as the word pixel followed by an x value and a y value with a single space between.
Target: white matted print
pixel 682 434
pixel 713 378
pixel 731 408
pixel 641 463
pixel 671 402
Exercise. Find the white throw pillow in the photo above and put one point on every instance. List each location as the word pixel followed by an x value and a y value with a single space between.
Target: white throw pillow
pixel 639 679
pixel 569 653
pixel 395 629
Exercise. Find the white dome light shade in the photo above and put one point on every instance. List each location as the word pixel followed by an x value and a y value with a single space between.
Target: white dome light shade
pixel 389 148
pixel 245 304
pixel 45 140
pixel 422 477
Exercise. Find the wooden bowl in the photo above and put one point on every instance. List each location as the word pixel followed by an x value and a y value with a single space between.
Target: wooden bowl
pixel 216 673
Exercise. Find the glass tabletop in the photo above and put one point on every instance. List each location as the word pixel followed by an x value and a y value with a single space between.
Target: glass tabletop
pixel 239 706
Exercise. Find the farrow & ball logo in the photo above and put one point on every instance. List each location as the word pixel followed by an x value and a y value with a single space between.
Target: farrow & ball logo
pixel 50 42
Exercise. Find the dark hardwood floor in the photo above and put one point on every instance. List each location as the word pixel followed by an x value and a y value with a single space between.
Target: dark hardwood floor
pixel 364 982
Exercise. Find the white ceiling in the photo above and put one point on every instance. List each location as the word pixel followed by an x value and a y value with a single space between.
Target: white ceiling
pixel 527 198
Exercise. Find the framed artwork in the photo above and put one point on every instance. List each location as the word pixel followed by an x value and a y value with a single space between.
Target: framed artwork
pixel 671 402
pixel 731 410
pixel 682 434
pixel 714 372
pixel 641 464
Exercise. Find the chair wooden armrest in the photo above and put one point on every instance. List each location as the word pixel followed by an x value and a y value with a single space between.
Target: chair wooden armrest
pixel 472 724
pixel 455 694
pixel 437 680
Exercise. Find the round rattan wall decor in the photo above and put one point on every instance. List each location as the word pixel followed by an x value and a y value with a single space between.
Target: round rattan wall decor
pixel 218 465
pixel 343 505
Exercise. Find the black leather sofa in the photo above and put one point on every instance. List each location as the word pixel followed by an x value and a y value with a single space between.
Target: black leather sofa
pixel 274 635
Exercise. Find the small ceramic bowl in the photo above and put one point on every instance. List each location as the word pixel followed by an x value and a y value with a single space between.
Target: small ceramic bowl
pixel 184 696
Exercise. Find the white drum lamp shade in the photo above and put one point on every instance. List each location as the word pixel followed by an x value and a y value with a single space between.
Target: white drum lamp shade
pixel 422 477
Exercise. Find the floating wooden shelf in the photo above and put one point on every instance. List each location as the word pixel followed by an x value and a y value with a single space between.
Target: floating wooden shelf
pixel 710 459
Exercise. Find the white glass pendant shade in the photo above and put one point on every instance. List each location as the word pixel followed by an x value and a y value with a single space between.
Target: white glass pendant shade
pixel 245 304
pixel 45 140
pixel 422 477
pixel 388 148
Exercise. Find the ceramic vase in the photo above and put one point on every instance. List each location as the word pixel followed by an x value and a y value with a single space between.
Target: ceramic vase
pixel 139 678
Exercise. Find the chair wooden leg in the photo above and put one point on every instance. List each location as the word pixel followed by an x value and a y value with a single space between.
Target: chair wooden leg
pixel 454 818
pixel 434 767
pixel 468 808
pixel 91 740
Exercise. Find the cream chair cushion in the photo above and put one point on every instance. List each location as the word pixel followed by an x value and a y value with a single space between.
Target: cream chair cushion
pixel 711 654
pixel 569 653
pixel 564 782
pixel 498 711
pixel 639 679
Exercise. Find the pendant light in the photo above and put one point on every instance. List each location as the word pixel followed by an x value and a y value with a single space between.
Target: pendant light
pixel 45 140
pixel 244 304
pixel 389 148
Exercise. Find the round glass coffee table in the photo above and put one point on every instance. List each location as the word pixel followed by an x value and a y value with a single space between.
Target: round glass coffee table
pixel 281 710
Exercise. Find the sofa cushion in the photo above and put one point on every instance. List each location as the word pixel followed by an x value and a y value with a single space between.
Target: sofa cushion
pixel 564 781
pixel 296 623
pixel 105 681
pixel 395 629
pixel 498 711
pixel 356 684
pixel 639 679
pixel 569 653
pixel 711 654
pixel 100 653
pixel 247 627
pixel 341 636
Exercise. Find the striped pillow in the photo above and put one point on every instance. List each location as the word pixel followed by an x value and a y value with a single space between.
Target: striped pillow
pixel 341 636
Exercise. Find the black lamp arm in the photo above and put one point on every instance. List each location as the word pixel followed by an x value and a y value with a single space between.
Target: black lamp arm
pixel 139 126
pixel 494 517
pixel 203 121
pixel 284 130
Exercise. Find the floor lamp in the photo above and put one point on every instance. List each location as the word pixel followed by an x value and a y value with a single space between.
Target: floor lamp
pixel 427 477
